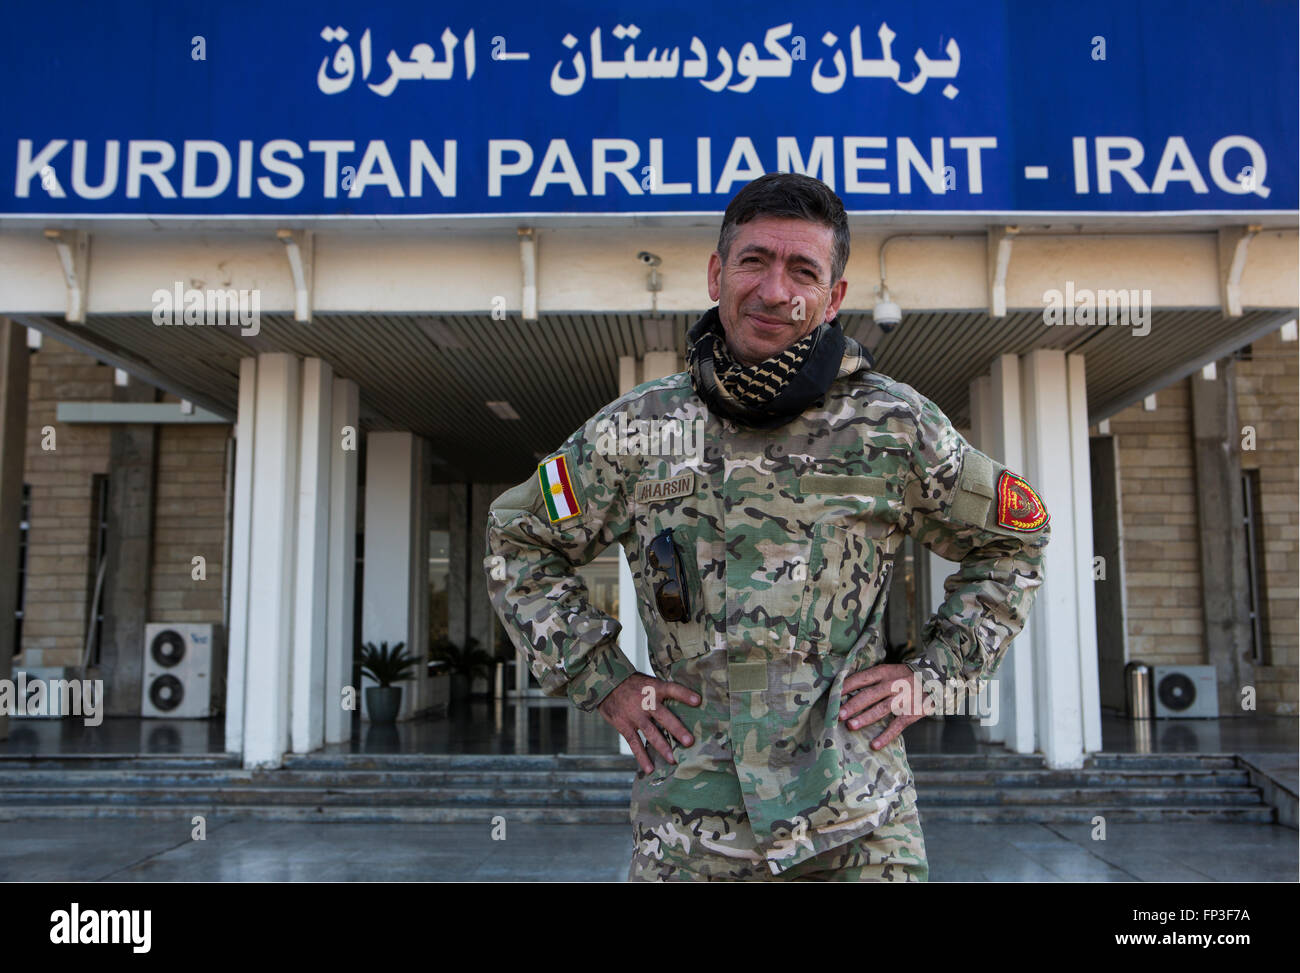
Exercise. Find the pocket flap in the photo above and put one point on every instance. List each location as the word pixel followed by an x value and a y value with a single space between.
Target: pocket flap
pixel 840 485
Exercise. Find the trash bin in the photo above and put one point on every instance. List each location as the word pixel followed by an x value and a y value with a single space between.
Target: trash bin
pixel 1137 690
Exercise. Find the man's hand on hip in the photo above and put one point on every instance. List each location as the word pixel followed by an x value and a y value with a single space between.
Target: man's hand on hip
pixel 882 690
pixel 637 703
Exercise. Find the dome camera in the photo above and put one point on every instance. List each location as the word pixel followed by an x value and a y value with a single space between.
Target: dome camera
pixel 649 259
pixel 887 314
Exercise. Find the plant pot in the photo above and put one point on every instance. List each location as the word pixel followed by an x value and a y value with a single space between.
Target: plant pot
pixel 459 687
pixel 383 702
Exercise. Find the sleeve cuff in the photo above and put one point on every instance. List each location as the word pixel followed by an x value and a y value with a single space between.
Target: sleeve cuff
pixel 606 668
pixel 927 669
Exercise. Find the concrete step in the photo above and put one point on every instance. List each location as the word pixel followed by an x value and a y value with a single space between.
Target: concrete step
pixel 532 779
pixel 590 788
pixel 561 814
pixel 112 761
pixel 494 795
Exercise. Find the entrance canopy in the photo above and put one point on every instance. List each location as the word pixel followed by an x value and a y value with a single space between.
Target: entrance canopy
pixel 435 374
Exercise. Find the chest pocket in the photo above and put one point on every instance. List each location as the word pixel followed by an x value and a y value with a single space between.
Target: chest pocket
pixel 671 642
pixel 847 567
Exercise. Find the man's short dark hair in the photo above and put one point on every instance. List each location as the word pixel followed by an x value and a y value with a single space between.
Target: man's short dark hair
pixel 789 194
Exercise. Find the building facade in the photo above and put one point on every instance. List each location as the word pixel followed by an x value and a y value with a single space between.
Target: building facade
pixel 270 379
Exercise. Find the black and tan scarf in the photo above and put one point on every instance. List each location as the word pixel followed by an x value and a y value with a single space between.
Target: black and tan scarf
pixel 769 393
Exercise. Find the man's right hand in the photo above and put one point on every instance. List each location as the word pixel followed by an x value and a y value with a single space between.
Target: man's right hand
pixel 637 703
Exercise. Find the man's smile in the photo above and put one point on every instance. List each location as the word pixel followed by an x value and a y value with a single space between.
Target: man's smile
pixel 767 326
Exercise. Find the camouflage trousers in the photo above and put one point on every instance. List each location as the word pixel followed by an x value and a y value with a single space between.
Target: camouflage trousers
pixel 894 852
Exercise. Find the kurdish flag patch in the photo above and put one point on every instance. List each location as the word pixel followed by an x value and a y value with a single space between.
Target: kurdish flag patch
pixel 557 489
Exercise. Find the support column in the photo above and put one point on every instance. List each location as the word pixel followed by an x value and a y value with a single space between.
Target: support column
pixel 271 572
pixel 393 548
pixel 133 468
pixel 1064 649
pixel 481 613
pixel 632 638
pixel 462 546
pixel 344 441
pixel 1220 512
pixel 1081 523
pixel 241 523
pixel 1016 675
pixel 310 605
pixel 13 444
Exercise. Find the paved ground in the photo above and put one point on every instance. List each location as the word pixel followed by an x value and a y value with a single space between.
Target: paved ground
pixel 245 851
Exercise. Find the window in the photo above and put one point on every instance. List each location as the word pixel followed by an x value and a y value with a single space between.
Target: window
pixel 98 550
pixel 1258 590
pixel 24 528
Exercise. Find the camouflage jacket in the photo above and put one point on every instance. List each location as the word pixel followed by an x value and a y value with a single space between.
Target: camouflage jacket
pixel 787 538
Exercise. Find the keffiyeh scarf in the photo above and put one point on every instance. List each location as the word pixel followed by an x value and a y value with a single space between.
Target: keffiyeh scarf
pixel 769 393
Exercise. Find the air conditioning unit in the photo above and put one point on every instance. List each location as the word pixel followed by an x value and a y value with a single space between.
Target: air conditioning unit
pixel 1185 692
pixel 182 670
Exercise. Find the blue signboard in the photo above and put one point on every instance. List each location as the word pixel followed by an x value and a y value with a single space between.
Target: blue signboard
pixel 245 108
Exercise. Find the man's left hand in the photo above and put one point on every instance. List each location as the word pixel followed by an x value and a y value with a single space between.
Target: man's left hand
pixel 876 690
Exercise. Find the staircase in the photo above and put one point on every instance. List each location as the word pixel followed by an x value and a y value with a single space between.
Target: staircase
pixel 428 788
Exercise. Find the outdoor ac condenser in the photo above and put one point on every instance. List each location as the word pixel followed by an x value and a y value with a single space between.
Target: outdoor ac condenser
pixel 182 666
pixel 1187 692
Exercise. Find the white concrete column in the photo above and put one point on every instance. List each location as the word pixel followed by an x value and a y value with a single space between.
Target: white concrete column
pixel 1016 727
pixel 632 638
pixel 1049 456
pixel 271 561
pixel 240 540
pixel 344 441
pixel 1085 586
pixel 307 722
pixel 391 547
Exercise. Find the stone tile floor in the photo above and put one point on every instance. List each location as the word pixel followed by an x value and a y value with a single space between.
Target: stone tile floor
pixel 251 851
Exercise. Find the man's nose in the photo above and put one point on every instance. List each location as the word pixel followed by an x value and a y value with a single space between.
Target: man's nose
pixel 774 289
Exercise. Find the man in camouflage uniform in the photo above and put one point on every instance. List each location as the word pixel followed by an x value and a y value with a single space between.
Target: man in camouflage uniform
pixel 781 757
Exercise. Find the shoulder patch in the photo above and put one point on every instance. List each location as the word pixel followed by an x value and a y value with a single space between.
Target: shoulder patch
pixel 557 488
pixel 1019 507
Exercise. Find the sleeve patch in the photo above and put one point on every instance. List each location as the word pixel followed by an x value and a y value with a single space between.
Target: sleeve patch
pixel 1019 507
pixel 558 492
pixel 977 473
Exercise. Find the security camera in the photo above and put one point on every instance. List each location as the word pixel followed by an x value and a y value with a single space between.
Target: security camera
pixel 886 313
pixel 649 259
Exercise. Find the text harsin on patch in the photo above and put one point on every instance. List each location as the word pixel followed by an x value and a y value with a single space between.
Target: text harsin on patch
pixel 648 491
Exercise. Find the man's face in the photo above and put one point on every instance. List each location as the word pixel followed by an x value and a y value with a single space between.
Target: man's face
pixel 775 286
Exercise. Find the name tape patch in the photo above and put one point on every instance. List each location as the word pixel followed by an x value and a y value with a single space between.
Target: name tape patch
pixel 650 491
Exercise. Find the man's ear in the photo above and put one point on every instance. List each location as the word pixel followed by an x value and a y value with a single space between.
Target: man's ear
pixel 715 275
pixel 838 291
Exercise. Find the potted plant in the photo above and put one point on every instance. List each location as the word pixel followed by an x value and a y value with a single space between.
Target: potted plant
pixel 385 666
pixel 464 662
